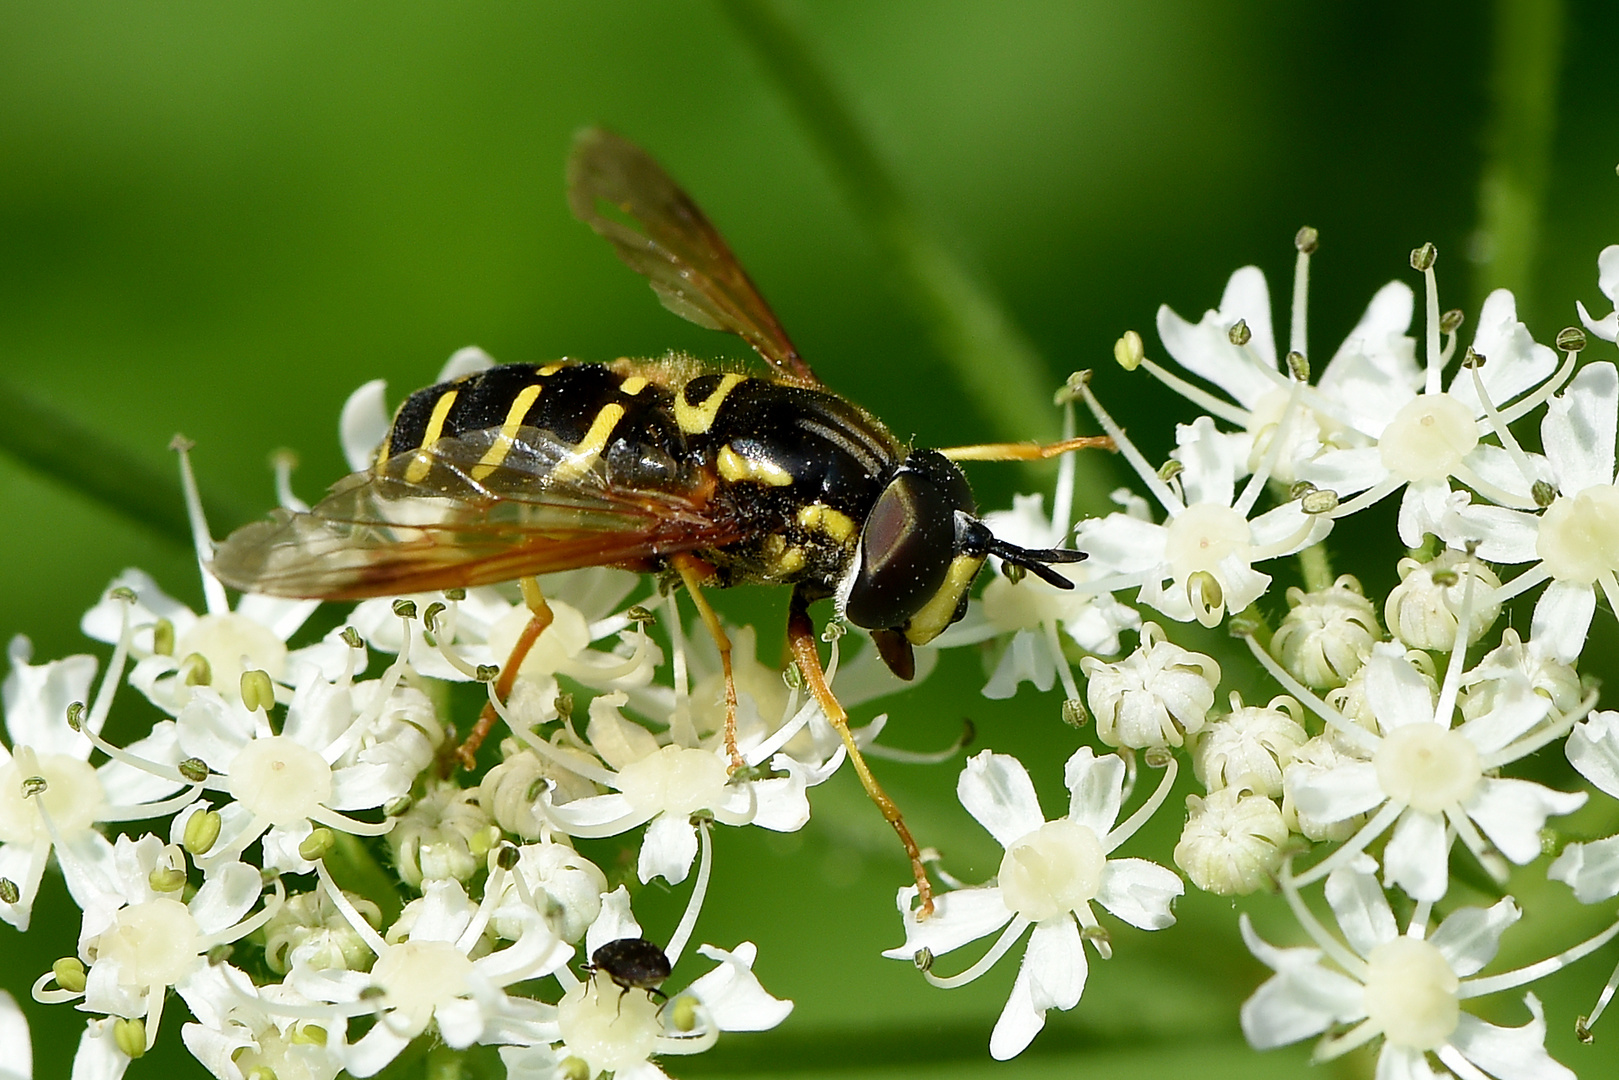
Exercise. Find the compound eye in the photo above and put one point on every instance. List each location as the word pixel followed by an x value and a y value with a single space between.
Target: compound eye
pixel 905 552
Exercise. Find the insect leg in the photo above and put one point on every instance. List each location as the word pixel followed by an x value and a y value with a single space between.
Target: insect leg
pixel 1026 451
pixel 540 617
pixel 801 640
pixel 692 572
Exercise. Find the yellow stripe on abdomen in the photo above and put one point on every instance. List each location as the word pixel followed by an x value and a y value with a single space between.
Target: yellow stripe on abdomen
pixel 590 447
pixel 496 454
pixel 422 463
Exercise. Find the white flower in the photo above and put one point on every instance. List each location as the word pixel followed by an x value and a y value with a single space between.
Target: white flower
pixel 137 941
pixel 1050 874
pixel 1407 988
pixel 76 797
pixel 1154 697
pixel 1515 660
pixel 1421 776
pixel 426 974
pixel 599 1026
pixel 1249 746
pixel 1327 634
pixel 1424 435
pixel 1377 359
pixel 1198 565
pixel 1574 542
pixel 1424 609
pixel 176 649
pixel 242 1031
pixel 564 886
pixel 1232 843
pixel 333 754
pixel 663 785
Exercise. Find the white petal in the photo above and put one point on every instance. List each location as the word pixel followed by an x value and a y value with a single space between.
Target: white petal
pixel 19 1056
pixel 98 1056
pixel 1205 349
pixel 1052 974
pixel 213 729
pixel 467 360
pixel 1403 1063
pixel 1346 471
pixel 1578 430
pixel 1512 813
pixel 781 803
pixel 1328 795
pixel 1502 535
pixel 1470 937
pixel 614 922
pixel 959 917
pixel 1591 870
pixel 280 616
pixel 1095 789
pixel 1396 691
pixel 732 994
pixel 618 741
pixel 231 889
pixel 995 789
pixel 1301 1000
pixel 1416 858
pixel 37 697
pixel 1360 906
pixel 104 621
pixel 374 1051
pixel 668 849
pixel 363 423
pixel 1496 465
pixel 1514 361
pixel 1424 507
pixel 1593 749
pixel 1121 543
pixel 1511 1053
pixel 127 784
pixel 1606 328
pixel 1026 658
pixel 1210 462
pixel 1516 709
pixel 445 911
pixel 460 1022
pixel 1139 892
pixel 1562 619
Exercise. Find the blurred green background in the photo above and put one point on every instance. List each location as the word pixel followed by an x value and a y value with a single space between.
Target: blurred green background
pixel 220 219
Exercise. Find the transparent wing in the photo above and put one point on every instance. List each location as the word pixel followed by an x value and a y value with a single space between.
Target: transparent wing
pixel 668 239
pixel 446 517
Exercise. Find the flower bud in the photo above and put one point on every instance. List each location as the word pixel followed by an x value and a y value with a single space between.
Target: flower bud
pixel 1327 634
pixel 437 836
pixel 510 790
pixel 1513 661
pixel 310 932
pixel 565 886
pixel 1249 747
pixel 1321 753
pixel 1424 608
pixel 1154 697
pixel 1232 843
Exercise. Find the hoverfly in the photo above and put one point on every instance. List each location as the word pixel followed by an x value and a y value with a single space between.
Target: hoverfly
pixel 708 477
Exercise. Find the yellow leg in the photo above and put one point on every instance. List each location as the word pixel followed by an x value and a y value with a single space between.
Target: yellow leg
pixel 1026 451
pixel 693 572
pixel 801 639
pixel 540 617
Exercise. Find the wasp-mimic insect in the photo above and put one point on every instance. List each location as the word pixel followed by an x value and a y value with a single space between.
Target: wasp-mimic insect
pixel 662 466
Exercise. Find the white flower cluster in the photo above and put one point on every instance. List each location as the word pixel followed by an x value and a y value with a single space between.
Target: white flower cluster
pixel 281 779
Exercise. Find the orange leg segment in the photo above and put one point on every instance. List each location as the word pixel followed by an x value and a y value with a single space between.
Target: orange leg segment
pixel 693 572
pixel 801 640
pixel 540 617
pixel 1026 451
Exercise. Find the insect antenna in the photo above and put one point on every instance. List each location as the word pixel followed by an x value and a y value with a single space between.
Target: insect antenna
pixel 1037 560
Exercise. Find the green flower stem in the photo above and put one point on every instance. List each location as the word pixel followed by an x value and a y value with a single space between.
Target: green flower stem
pixel 85 460
pixel 993 360
pixel 1524 72
pixel 1315 566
